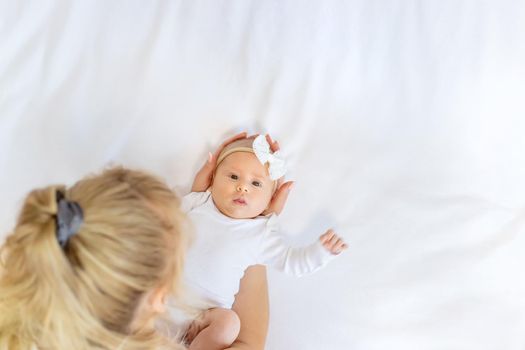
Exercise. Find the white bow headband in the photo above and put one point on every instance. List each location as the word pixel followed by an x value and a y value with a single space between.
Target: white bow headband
pixel 261 149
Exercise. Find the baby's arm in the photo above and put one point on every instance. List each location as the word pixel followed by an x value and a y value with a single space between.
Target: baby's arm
pixel 301 260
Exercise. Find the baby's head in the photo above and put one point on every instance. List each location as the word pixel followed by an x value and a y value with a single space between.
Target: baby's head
pixel 243 185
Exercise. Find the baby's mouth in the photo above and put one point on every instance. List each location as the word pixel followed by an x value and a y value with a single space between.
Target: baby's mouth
pixel 239 201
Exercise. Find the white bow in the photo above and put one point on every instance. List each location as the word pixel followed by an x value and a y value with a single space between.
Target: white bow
pixel 263 152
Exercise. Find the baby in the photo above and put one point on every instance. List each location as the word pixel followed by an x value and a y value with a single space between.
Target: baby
pixel 235 230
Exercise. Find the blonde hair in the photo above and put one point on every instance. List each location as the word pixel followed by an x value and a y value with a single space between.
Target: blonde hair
pixel 86 295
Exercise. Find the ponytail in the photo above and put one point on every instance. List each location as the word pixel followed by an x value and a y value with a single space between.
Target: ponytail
pixel 83 295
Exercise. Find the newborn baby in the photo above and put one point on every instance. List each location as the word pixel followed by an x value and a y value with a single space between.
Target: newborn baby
pixel 232 233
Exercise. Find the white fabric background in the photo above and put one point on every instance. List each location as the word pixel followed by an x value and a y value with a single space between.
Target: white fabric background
pixel 403 123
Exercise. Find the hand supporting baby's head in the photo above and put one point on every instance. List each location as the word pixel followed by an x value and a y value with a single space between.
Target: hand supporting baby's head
pixel 245 178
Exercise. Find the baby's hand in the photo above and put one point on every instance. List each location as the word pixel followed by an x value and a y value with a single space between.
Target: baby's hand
pixel 333 243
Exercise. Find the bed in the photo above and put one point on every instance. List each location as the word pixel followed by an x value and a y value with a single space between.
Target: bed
pixel 402 123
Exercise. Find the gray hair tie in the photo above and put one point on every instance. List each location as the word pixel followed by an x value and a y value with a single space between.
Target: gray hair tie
pixel 69 217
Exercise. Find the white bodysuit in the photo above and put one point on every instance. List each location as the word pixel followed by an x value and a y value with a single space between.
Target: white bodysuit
pixel 224 247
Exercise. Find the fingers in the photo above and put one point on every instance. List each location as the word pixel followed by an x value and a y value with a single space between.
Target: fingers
pixel 327 236
pixel 332 242
pixel 201 322
pixel 191 333
pixel 339 246
pixel 274 145
pixel 204 176
pixel 279 199
pixel 209 162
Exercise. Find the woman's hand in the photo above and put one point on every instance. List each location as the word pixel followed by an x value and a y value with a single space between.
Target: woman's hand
pixel 280 196
pixel 204 177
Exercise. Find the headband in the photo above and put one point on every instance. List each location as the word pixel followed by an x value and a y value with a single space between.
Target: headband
pixel 69 218
pixel 260 147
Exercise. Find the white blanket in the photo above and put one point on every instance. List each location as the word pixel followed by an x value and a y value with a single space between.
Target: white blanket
pixel 403 124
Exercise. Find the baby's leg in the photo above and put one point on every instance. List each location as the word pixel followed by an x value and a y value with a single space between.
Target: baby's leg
pixel 218 329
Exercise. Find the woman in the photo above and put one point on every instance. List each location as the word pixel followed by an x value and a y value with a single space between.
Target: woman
pixel 88 267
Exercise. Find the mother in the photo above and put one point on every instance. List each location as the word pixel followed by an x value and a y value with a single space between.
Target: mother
pixel 89 267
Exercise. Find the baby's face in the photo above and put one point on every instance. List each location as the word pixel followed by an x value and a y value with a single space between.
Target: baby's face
pixel 241 186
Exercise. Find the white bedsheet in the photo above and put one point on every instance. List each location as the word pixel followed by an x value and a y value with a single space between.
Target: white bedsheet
pixel 403 124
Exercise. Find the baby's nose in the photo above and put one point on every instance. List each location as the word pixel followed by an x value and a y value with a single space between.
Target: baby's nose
pixel 242 188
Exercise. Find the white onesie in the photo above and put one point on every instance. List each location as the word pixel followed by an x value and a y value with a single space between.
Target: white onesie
pixel 224 247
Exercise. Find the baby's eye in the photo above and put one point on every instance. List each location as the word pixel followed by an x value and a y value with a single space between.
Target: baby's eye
pixel 257 183
pixel 234 177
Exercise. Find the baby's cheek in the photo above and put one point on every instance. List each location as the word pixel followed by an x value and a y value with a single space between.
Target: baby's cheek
pixel 218 198
pixel 269 195
pixel 266 201
pixel 257 206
